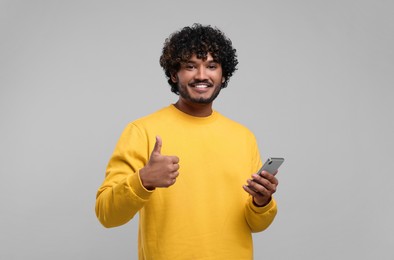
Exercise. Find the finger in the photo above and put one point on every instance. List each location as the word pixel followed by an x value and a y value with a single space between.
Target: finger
pixel 175 167
pixel 261 180
pixel 270 177
pixel 170 160
pixel 174 159
pixel 262 186
pixel 158 144
pixel 252 185
pixel 174 175
pixel 171 168
pixel 252 192
pixel 170 182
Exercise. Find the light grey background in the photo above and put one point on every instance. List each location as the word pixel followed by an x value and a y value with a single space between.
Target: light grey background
pixel 315 84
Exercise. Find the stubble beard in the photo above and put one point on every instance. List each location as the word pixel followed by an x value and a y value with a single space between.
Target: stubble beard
pixel 185 95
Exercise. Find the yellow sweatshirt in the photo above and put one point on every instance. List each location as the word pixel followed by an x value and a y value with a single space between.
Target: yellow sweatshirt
pixel 206 214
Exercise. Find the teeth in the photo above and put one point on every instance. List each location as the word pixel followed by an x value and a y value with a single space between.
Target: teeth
pixel 201 86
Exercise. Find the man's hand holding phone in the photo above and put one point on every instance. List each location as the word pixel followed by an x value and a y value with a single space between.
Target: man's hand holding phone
pixel 263 184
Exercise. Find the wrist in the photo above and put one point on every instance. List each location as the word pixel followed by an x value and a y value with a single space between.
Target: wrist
pixel 261 204
pixel 144 180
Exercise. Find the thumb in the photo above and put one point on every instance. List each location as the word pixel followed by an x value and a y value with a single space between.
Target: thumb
pixel 158 144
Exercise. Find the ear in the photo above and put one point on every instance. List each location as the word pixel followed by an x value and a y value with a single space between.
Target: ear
pixel 223 79
pixel 174 77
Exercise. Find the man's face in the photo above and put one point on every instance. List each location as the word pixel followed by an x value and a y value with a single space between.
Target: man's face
pixel 199 81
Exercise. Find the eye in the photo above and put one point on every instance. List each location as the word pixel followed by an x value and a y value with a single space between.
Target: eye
pixel 212 66
pixel 189 66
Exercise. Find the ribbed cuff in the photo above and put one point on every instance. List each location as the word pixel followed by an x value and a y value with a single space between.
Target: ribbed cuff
pixel 135 183
pixel 261 210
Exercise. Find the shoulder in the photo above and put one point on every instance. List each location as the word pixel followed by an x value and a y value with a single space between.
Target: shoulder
pixel 228 121
pixel 153 117
pixel 151 124
pixel 144 128
pixel 234 126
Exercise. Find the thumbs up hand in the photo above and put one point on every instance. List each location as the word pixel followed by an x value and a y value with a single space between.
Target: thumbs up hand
pixel 161 170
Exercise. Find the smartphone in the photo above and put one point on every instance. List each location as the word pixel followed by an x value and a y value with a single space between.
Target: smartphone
pixel 271 165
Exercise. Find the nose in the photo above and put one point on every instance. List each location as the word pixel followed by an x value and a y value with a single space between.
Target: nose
pixel 201 73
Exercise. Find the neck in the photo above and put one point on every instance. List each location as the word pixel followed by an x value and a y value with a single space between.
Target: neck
pixel 194 109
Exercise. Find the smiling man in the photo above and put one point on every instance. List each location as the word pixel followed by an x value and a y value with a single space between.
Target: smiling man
pixel 199 82
pixel 186 169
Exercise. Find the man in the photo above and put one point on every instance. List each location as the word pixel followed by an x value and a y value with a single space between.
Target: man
pixel 188 170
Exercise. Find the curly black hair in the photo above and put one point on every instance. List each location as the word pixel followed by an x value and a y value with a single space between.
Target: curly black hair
pixel 199 40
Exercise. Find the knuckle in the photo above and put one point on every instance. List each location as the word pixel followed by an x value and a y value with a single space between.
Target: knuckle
pixel 252 184
pixel 175 167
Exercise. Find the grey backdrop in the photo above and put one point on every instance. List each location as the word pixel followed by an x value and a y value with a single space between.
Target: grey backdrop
pixel 315 84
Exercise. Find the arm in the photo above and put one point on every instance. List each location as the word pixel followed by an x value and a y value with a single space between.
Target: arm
pixel 132 176
pixel 122 194
pixel 260 218
pixel 261 207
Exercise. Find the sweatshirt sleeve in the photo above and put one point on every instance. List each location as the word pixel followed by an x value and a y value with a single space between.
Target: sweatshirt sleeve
pixel 122 194
pixel 260 218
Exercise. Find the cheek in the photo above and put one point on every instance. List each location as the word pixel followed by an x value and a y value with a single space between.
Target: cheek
pixel 218 76
pixel 219 79
pixel 183 78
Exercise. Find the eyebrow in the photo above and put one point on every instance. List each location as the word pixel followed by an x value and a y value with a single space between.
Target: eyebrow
pixel 208 61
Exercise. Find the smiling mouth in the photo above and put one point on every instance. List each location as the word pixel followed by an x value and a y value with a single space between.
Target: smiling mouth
pixel 201 85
